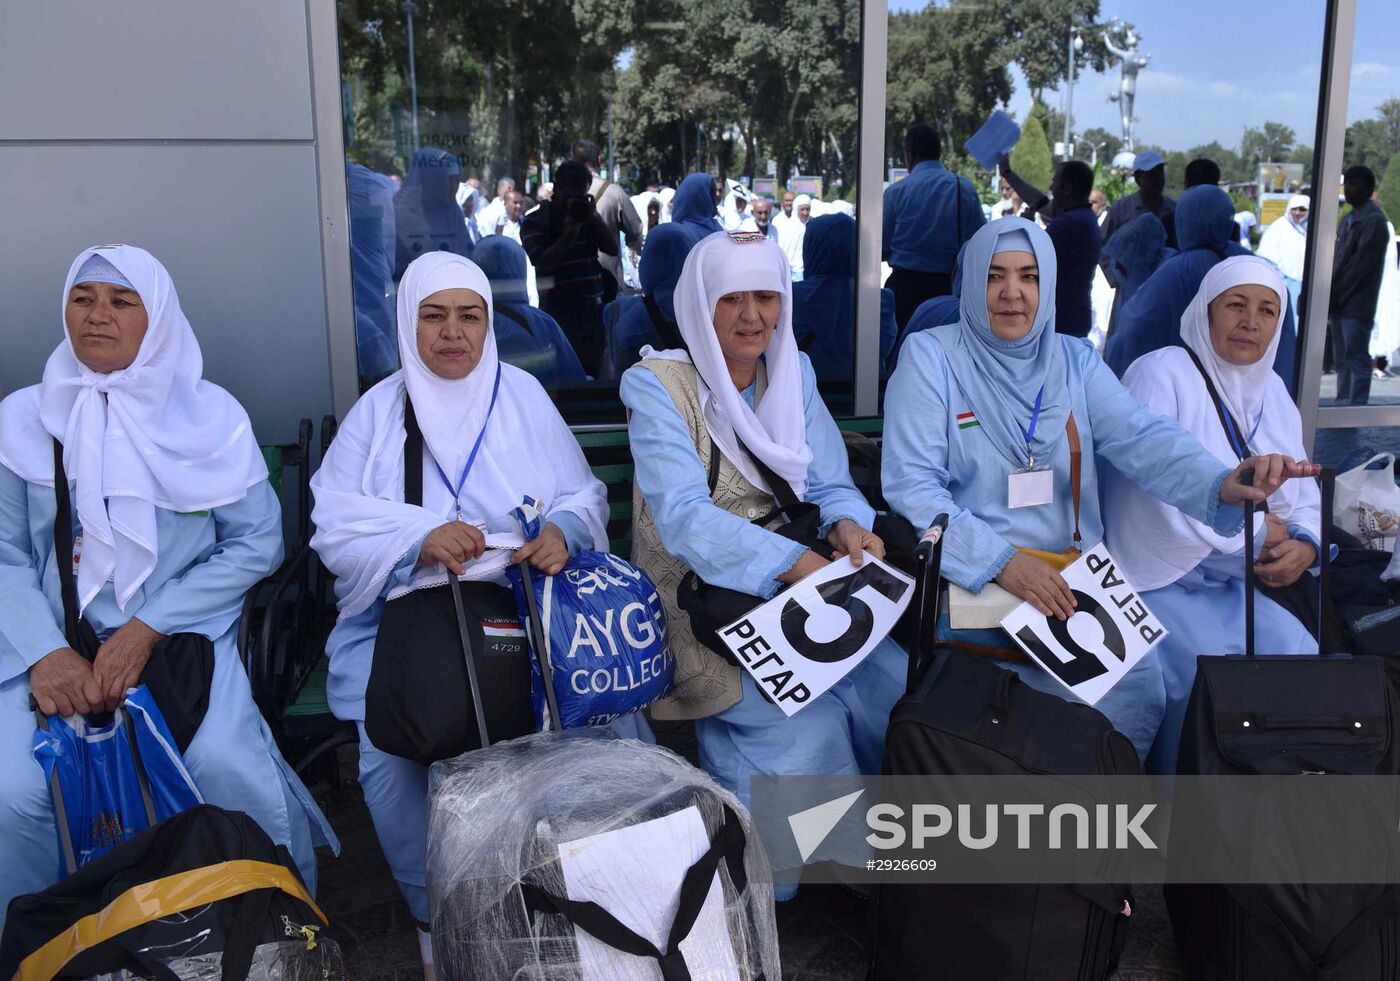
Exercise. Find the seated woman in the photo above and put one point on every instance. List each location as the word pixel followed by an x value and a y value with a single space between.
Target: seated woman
pixel 823 303
pixel 632 322
pixel 1151 318
pixel 740 387
pixel 1191 576
pixel 526 337
pixel 175 521
pixel 974 403
pixel 496 432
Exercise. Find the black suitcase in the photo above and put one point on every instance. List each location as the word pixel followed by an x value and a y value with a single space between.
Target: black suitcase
pixel 1257 715
pixel 963 714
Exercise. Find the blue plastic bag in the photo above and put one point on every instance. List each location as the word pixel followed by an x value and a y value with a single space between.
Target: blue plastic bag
pixel 98 779
pixel 604 635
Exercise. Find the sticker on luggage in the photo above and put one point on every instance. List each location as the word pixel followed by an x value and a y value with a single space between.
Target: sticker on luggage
pixel 1111 630
pixel 811 635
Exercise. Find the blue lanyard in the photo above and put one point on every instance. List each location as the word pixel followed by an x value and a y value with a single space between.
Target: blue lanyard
pixel 1241 447
pixel 1030 431
pixel 471 459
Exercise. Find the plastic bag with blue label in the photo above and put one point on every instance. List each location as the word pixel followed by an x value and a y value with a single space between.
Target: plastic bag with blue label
pixel 100 786
pixel 598 634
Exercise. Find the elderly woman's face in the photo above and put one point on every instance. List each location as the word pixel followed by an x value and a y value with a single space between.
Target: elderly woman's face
pixel 106 324
pixel 744 323
pixel 452 326
pixel 1013 294
pixel 1242 322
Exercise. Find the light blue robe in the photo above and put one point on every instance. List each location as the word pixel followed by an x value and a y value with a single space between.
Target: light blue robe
pixel 207 563
pixel 931 466
pixel 843 731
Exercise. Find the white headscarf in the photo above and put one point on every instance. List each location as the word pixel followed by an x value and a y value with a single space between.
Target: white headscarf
pixel 776 431
pixel 1284 242
pixel 364 528
pixel 151 435
pixel 1155 543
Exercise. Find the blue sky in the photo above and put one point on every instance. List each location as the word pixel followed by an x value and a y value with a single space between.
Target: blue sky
pixel 1221 65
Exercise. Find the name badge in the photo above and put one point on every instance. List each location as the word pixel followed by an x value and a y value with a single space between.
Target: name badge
pixel 1030 488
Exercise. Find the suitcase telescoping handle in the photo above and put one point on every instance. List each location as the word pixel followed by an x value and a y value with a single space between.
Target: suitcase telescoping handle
pixel 473 681
pixel 536 628
pixel 928 565
pixel 1326 476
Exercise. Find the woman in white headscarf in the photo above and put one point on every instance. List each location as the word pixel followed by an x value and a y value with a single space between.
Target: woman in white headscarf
pixel 1285 244
pixel 740 392
pixel 174 521
pixel 1191 575
pixel 978 425
pixel 491 437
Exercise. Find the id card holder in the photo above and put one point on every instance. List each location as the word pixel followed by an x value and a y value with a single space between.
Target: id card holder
pixel 1030 487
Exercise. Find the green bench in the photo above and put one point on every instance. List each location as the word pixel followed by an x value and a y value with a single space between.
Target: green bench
pixel 304 725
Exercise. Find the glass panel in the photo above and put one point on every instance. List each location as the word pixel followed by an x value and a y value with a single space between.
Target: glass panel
pixel 1364 329
pixel 1145 78
pixel 464 119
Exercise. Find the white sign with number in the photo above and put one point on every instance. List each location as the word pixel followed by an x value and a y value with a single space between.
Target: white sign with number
pixel 811 635
pixel 1111 630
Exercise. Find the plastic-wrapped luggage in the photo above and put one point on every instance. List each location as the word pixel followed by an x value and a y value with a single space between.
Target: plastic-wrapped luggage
pixel 578 855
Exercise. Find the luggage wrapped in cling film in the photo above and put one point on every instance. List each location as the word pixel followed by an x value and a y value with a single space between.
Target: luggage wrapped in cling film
pixel 577 856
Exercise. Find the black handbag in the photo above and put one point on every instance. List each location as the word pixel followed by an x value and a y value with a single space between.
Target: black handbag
pixel 451 669
pixel 181 667
pixel 710 607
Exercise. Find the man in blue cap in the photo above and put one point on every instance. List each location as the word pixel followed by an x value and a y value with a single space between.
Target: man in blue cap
pixel 1150 175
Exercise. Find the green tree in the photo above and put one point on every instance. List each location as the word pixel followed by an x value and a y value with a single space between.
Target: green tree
pixel 1390 188
pixel 1107 144
pixel 1273 143
pixel 1232 169
pixel 1040 33
pixel 1031 156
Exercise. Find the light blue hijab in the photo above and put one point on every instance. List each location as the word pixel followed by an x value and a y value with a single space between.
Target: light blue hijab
pixel 999 378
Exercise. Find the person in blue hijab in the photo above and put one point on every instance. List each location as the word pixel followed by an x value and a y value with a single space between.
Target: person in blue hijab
pixel 631 322
pixel 371 198
pixel 426 212
pixel 1131 256
pixel 823 303
pixel 1151 318
pixel 525 337
pixel 694 204
pixel 977 409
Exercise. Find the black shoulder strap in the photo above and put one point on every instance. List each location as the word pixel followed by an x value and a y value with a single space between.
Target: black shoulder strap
pixel 63 548
pixel 523 321
pixel 1226 420
pixel 412 455
pixel 715 456
pixel 727 845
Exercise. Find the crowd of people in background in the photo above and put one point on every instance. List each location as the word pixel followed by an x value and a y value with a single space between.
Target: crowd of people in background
pixel 599 293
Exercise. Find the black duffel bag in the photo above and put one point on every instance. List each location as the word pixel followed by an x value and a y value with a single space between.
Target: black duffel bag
pixel 181 667
pixel 451 669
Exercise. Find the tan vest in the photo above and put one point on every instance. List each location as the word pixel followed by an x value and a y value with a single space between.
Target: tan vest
pixel 705 682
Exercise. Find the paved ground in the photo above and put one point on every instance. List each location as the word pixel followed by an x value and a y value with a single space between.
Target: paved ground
pixel 821 932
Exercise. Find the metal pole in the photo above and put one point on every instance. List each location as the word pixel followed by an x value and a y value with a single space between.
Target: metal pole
pixel 1069 93
pixel 870 181
pixel 409 9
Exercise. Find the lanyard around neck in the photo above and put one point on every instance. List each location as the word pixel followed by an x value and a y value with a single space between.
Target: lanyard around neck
pixel 456 492
pixel 1029 431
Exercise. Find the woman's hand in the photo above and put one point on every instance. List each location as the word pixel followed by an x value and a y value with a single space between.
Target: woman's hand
pixel 1282 564
pixel 453 544
pixel 1039 584
pixel 547 551
pixel 1275 533
pixel 121 659
pixel 849 538
pixel 1268 476
pixel 808 563
pixel 62 683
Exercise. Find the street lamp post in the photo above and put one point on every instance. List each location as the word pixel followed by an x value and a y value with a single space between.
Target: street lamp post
pixel 410 8
pixel 1076 44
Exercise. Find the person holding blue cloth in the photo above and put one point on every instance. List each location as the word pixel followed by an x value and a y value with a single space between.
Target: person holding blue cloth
pixel 713 425
pixel 1221 388
pixel 984 419
pixel 173 522
pixel 491 438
